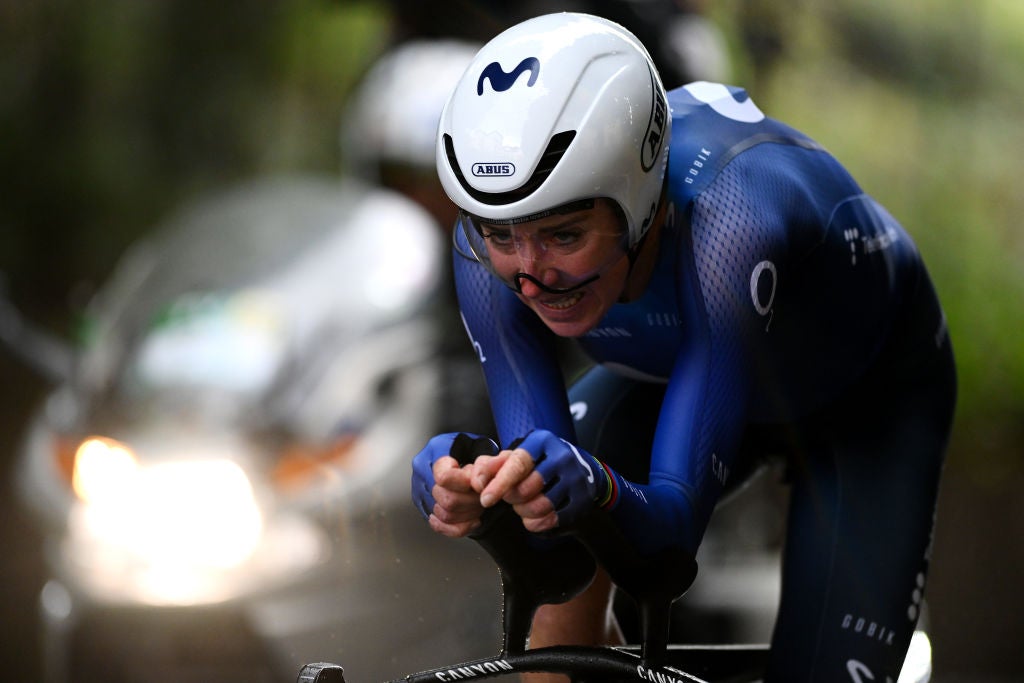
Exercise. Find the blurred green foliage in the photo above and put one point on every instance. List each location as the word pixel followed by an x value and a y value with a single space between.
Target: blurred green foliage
pixel 113 111
pixel 922 102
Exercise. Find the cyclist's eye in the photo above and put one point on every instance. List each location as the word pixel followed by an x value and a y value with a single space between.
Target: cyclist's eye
pixel 565 238
pixel 500 239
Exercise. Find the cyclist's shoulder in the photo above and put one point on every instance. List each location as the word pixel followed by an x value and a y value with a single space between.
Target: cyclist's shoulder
pixel 714 125
pixel 723 114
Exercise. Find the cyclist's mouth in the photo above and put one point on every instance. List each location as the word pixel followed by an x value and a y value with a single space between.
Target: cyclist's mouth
pixel 563 303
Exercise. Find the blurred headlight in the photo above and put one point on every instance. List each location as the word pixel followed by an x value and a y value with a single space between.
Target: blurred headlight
pixel 170 532
pixel 175 531
pixel 102 467
pixel 175 514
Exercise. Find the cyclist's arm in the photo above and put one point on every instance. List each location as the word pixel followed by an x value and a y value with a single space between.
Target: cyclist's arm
pixel 703 405
pixel 702 415
pixel 517 354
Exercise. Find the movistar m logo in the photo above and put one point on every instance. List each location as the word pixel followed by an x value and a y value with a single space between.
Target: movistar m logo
pixel 502 81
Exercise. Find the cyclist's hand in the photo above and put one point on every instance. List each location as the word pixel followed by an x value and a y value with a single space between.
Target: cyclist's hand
pixel 441 489
pixel 547 480
pixel 511 476
pixel 457 507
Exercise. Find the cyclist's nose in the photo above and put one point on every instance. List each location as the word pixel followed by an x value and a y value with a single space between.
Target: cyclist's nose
pixel 537 272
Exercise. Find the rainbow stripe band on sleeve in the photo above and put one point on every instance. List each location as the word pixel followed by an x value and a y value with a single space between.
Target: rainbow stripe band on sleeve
pixel 611 492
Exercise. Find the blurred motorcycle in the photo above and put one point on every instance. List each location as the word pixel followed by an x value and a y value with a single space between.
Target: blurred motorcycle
pixel 221 471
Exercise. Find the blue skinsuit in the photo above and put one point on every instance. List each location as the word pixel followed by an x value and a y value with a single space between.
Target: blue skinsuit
pixel 782 296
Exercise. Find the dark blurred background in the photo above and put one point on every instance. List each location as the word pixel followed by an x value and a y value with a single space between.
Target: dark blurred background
pixel 114 111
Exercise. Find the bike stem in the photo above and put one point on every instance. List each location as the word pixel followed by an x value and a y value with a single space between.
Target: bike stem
pixel 538 569
pixel 535 570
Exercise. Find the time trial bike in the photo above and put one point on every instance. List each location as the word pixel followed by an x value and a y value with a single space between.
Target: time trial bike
pixel 537 570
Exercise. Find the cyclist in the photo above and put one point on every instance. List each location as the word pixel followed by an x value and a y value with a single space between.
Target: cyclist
pixel 393 146
pixel 739 295
pixel 683 41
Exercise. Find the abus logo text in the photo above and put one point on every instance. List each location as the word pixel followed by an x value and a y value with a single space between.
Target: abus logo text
pixel 497 170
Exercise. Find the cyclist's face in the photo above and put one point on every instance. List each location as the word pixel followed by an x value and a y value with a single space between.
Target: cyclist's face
pixel 569 268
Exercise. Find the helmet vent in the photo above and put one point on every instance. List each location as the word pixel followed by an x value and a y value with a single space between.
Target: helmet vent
pixel 556 148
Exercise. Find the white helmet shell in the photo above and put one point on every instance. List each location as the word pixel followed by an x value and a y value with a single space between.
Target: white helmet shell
pixel 558 108
pixel 393 113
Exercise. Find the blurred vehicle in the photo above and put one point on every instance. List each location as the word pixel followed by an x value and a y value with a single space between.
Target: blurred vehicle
pixel 393 146
pixel 221 471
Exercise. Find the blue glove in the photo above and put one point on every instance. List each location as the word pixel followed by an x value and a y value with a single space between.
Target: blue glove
pixel 438 447
pixel 574 480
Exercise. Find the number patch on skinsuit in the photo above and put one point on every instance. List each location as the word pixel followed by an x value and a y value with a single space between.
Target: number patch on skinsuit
pixel 719 98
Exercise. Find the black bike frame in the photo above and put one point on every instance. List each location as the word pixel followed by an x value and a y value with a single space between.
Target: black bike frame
pixel 538 569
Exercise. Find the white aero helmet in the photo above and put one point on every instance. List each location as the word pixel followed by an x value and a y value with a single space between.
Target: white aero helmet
pixel 393 113
pixel 559 108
